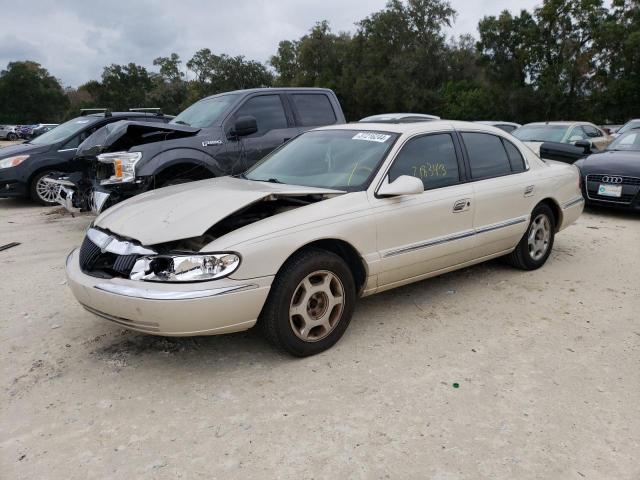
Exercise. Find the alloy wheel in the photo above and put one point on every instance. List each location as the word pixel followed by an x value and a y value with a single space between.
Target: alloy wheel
pixel 47 192
pixel 317 305
pixel 539 237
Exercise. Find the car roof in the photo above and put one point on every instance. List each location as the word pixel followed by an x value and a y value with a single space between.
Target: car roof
pixel 418 127
pixel 248 91
pixel 398 116
pixel 100 115
pixel 496 122
pixel 561 123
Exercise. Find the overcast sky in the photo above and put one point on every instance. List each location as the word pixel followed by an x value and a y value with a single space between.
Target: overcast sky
pixel 74 39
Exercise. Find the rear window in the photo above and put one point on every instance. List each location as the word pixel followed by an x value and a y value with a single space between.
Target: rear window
pixel 515 157
pixel 314 109
pixel 487 156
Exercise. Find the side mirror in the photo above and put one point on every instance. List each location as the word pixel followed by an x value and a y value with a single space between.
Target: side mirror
pixel 403 185
pixel 244 126
pixel 562 152
pixel 585 145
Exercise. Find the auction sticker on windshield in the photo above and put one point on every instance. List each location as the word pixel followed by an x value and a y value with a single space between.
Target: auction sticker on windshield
pixel 372 137
pixel 610 190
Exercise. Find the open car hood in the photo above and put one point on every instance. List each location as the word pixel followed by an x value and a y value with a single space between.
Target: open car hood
pixel 190 209
pixel 122 135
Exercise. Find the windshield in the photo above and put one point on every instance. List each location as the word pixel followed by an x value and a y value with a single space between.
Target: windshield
pixel 336 159
pixel 63 131
pixel 205 112
pixel 629 126
pixel 627 142
pixel 540 133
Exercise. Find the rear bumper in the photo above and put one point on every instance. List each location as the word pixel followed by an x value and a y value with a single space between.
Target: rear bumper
pixel 206 308
pixel 571 210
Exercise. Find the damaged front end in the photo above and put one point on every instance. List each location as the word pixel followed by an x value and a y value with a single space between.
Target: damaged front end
pixel 107 254
pixel 106 166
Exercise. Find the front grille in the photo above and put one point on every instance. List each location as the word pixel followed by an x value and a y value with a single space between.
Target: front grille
pixel 624 198
pixel 630 188
pixel 625 180
pixel 104 264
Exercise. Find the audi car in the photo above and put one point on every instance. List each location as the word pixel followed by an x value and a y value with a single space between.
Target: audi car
pixel 612 178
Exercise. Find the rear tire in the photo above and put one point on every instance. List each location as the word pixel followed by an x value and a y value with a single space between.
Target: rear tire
pixel 310 303
pixel 535 246
pixel 12 136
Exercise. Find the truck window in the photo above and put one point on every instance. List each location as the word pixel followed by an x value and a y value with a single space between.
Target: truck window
pixel 268 112
pixel 314 109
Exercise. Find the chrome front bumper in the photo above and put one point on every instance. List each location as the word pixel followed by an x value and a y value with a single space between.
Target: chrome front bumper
pixel 204 308
pixel 67 191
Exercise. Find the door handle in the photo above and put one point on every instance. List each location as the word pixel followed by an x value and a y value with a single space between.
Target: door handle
pixel 461 205
pixel 528 191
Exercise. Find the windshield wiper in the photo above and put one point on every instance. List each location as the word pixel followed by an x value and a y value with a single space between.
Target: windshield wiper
pixel 270 180
pixel 180 122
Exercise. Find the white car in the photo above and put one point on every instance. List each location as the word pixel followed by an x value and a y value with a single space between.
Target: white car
pixel 335 214
pixel 535 134
pixel 399 118
pixel 506 126
pixel 8 132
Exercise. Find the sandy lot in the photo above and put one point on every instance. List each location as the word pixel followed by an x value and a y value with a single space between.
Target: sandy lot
pixel 548 367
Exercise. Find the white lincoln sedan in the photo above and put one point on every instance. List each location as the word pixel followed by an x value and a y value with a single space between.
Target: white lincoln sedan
pixel 337 213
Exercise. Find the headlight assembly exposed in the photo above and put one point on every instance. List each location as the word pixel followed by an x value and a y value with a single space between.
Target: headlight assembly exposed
pixel 124 166
pixel 13 161
pixel 185 268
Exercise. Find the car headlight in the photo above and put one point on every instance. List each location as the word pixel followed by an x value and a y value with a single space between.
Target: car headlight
pixel 13 161
pixel 124 166
pixel 185 267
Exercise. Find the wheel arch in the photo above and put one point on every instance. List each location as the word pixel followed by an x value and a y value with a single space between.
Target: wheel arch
pixel 184 166
pixel 555 208
pixel 347 252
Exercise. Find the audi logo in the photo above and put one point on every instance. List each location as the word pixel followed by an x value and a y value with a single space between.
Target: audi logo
pixel 607 179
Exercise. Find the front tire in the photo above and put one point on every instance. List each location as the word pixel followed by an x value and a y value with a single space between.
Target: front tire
pixel 12 136
pixel 310 303
pixel 42 192
pixel 535 246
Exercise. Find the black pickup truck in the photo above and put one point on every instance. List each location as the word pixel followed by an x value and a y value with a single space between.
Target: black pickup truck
pixel 224 134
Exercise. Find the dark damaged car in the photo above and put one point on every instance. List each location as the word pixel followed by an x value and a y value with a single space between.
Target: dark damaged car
pixel 25 168
pixel 220 135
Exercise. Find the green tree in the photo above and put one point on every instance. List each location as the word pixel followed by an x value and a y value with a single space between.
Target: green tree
pixel 221 73
pixel 169 91
pixel 123 87
pixel 29 94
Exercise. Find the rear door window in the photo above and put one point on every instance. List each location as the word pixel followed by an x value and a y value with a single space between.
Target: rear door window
pixel 487 155
pixel 515 157
pixel 431 158
pixel 268 112
pixel 313 109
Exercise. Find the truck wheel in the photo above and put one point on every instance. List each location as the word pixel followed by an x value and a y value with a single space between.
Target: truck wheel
pixel 43 192
pixel 536 244
pixel 310 303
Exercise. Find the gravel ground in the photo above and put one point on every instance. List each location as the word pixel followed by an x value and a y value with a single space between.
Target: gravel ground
pixel 546 366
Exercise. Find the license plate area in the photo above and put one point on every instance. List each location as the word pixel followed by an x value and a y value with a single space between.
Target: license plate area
pixel 610 190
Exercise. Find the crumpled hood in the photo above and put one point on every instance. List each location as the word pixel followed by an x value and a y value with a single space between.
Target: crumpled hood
pixel 124 134
pixel 22 149
pixel 190 209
